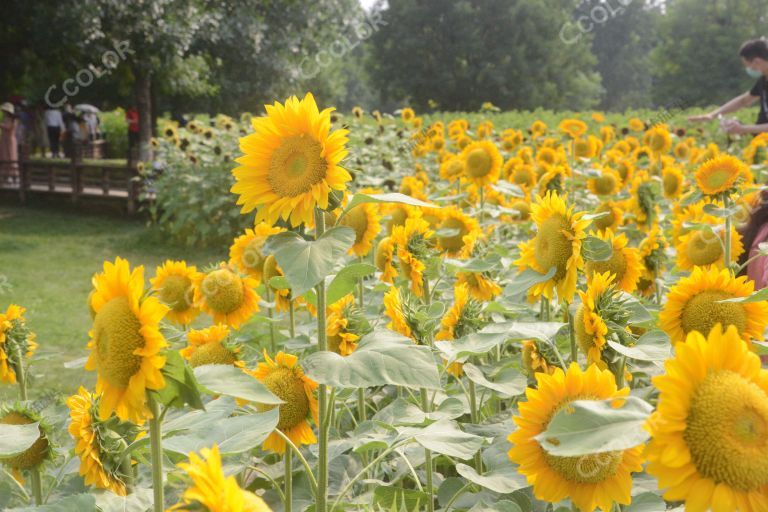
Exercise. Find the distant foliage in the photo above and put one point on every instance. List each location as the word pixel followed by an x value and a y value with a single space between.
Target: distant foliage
pixel 115 129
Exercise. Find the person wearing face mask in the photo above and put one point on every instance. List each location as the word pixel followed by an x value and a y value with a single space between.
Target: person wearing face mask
pixel 754 56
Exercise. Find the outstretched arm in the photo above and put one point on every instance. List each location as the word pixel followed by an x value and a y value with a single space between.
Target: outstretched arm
pixel 737 103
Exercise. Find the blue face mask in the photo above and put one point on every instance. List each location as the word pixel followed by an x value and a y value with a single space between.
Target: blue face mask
pixel 753 72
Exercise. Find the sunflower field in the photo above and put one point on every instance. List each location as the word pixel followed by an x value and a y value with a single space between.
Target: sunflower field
pixel 417 314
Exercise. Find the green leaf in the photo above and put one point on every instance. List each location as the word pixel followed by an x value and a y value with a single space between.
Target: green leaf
pixel 473 265
pixel 496 506
pixel 487 339
pixel 503 480
pixel 381 358
pixel 14 439
pixel 444 437
pixel 306 262
pixel 595 249
pixel 233 435
pixel 279 283
pixel 646 502
pixel 652 346
pixel 595 216
pixel 587 427
pixel 359 199
pixel 215 410
pixel 508 382
pixel 224 379
pixel 522 281
pixel 139 500
pixel 758 296
pixel 638 314
pixel 346 280
pixel 79 502
pixel 715 210
pixel 180 383
pixel 398 499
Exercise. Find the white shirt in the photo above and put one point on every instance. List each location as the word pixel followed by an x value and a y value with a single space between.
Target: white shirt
pixel 53 118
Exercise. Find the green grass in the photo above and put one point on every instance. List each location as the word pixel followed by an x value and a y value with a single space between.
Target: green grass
pixel 47 258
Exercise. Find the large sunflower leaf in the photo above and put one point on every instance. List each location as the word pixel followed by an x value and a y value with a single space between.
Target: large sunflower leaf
pixel 488 338
pixel 80 502
pixel 345 281
pixel 652 346
pixel 14 439
pixel 587 427
pixel 508 382
pixel 444 437
pixel 233 435
pixel 307 262
pixel 381 358
pixel 224 379
pixel 502 480
pixel 394 197
pixel 596 249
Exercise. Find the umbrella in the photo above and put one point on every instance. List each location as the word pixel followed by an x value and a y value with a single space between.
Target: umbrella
pixel 84 107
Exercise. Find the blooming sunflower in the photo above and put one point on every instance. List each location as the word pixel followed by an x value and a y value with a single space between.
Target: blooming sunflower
pixel 364 219
pixel 211 490
pixel 226 296
pixel 709 445
pixel 345 325
pixel 15 339
pixel 385 253
pixel 533 359
pixel 693 304
pixel 624 262
pixel 611 221
pixel 573 128
pixel 557 244
pixel 520 174
pixel 291 162
pixel 125 341
pixel 606 184
pixel 601 305
pixel 100 456
pixel 40 451
pixel 702 248
pixel 452 168
pixel 414 187
pixel 208 346
pixel 414 242
pixel 464 317
pixel 658 140
pixel 467 232
pixel 672 182
pixel 591 481
pixel 246 250
pixel 398 310
pixel 481 286
pixel 720 174
pixel 482 162
pixel 173 285
pixel 636 125
pixel 407 114
pixel 283 377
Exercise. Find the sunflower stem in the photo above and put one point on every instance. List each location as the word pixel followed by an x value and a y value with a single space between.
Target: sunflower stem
pixel 37 486
pixel 727 238
pixel 292 319
pixel 272 347
pixel 322 345
pixel 288 459
pixel 302 459
pixel 571 333
pixel 156 448
pixel 21 375
pixel 475 417
pixel 428 458
pixel 544 309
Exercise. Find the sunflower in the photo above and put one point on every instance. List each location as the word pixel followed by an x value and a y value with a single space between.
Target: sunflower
pixel 398 213
pixel 694 304
pixel 383 257
pixel 573 128
pixel 709 443
pixel 523 209
pixel 226 296
pixel 414 241
pixel 533 360
pixel 282 296
pixel 672 180
pixel 636 125
pixel 538 128
pixel 283 377
pixel 586 148
pixel 211 490
pixel 704 247
pixel 464 317
pixel 601 306
pixel 520 174
pixel 412 186
pixel 557 244
pixel 365 220
pixel 208 346
pixel 452 168
pixel 652 250
pixel 611 221
pixel 481 286
pixel 15 339
pixel 606 184
pixel 398 309
pixel 457 232
pixel 720 174
pixel 246 250
pixel 591 481
pixel 658 140
pixel 98 444
pixel 291 163
pixel 173 285
pixel 407 114
pixel 482 162
pixel 40 451
pixel 125 341
pixel 624 264
pixel 345 325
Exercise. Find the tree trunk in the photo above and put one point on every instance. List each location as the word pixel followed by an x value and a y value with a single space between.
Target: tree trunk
pixel 153 105
pixel 144 107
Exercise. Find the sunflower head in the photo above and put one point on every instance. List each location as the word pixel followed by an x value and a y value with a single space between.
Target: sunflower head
pixel 573 128
pixel 16 342
pixel 415 244
pixel 226 295
pixel 40 451
pixel 211 346
pixel 364 219
pixel 345 325
pixel 720 174
pixel 246 251
pixel 624 263
pixel 672 182
pixel 173 285
pixel 601 307
pixel 482 162
pixel 457 232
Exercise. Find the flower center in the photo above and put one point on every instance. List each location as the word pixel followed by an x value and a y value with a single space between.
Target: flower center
pixel 616 265
pixel 704 248
pixel 606 221
pixel 289 388
pixel 586 469
pixel 296 166
pixel 211 353
pixel 252 257
pixel 117 336
pixel 671 183
pixel 223 291
pixel 605 184
pixel 702 312
pixel 453 243
pixel 727 431
pixel 175 292
pixel 32 456
pixel 719 178
pixel 523 176
pixel 552 247
pixel 356 219
pixel 454 168
pixel 478 163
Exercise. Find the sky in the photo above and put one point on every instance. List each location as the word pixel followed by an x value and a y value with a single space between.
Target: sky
pixel 367 4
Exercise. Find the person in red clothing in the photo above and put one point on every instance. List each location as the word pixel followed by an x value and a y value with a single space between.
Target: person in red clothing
pixel 132 116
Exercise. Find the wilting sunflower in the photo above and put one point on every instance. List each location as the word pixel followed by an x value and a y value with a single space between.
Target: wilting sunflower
pixel 709 444
pixel 211 490
pixel 291 163
pixel 173 285
pixel 573 128
pixel 414 242
pixel 482 162
pixel 364 219
pixel 385 253
pixel 463 318
pixel 467 229
pixel 624 263
pixel 606 184
pixel 693 304
pixel 720 174
pixel 15 339
pixel 283 377
pixel 672 180
pixel 246 251
pixel 557 244
pixel 99 444
pixel 209 346
pixel 590 481
pixel 601 306
pixel 126 342
pixel 704 247
pixel 533 359
pixel 40 451
pixel 345 325
pixel 480 284
pixel 225 295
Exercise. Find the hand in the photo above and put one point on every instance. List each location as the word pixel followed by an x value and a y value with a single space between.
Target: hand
pixel 735 127
pixel 702 117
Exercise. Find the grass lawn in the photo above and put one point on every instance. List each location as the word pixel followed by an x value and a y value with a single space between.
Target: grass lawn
pixel 47 258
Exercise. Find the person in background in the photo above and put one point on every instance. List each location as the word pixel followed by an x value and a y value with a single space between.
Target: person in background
pixel 754 233
pixel 54 124
pixel 132 116
pixel 73 134
pixel 9 149
pixel 24 129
